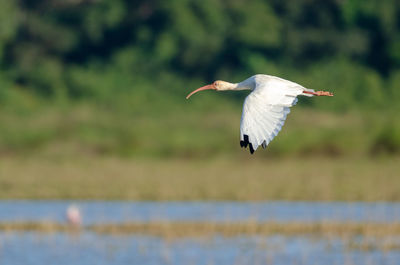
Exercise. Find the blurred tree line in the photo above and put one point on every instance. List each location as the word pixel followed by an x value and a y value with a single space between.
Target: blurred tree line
pixel 97 48
pixel 122 70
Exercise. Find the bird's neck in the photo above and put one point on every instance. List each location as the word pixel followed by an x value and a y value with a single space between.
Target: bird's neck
pixel 247 84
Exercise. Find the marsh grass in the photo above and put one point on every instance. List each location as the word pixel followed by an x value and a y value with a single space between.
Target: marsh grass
pixel 354 236
pixel 363 236
pixel 43 227
pixel 196 229
pixel 249 178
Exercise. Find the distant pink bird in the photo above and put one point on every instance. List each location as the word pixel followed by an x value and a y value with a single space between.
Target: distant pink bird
pixel 74 216
pixel 265 108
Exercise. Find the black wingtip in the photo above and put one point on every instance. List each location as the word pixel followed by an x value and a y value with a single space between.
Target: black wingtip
pixel 245 140
pixel 246 143
pixel 251 148
pixel 264 144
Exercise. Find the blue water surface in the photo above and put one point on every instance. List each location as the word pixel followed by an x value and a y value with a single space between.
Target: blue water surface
pixel 87 248
pixel 30 248
pixel 125 211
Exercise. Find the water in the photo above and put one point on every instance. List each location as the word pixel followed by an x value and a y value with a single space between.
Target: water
pixel 115 212
pixel 37 249
pixel 86 248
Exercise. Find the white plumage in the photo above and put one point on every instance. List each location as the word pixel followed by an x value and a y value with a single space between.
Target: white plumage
pixel 265 108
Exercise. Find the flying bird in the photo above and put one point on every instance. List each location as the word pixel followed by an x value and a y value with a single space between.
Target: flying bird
pixel 265 108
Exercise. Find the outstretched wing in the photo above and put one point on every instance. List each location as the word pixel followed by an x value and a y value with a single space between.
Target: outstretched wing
pixel 264 113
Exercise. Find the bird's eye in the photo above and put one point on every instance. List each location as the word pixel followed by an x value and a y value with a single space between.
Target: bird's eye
pixel 215 83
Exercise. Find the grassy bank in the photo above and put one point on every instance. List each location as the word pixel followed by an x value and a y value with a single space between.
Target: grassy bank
pixel 360 236
pixel 203 229
pixel 223 178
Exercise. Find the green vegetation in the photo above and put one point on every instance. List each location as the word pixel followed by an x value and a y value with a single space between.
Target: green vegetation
pixel 190 131
pixel 96 49
pixel 110 77
pixel 95 90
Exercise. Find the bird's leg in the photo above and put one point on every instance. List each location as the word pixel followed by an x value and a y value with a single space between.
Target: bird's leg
pixel 319 93
pixel 324 93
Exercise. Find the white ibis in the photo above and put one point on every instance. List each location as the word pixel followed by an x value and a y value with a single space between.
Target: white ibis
pixel 265 108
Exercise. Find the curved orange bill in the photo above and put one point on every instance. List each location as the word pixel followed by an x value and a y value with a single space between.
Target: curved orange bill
pixel 201 89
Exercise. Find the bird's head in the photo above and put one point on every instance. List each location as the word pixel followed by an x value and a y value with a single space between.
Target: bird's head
pixel 216 85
